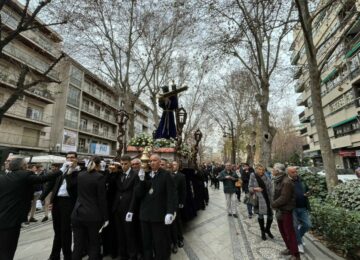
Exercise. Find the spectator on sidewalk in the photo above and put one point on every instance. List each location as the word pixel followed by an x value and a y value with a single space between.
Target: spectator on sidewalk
pixel 37 169
pixel 245 177
pixel 284 203
pixel 16 191
pixel 260 186
pixel 228 177
pixel 302 222
pixel 238 184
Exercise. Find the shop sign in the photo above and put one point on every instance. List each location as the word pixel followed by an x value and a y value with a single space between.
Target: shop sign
pixel 343 153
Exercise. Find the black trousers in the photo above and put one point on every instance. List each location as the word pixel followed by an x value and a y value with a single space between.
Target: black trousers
pixel 61 213
pixel 127 236
pixel 86 239
pixel 8 242
pixel 176 230
pixel 238 193
pixel 155 240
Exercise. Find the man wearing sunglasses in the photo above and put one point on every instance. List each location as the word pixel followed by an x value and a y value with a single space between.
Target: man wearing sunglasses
pixel 62 201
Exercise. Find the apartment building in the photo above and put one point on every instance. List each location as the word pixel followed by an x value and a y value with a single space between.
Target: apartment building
pixel 26 127
pixel 340 84
pixel 76 115
pixel 85 113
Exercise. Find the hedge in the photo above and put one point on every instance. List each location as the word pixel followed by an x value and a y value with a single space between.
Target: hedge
pixel 339 226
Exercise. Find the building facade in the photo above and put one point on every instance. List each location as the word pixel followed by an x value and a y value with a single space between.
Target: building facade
pixel 79 114
pixel 26 127
pixel 340 86
pixel 85 113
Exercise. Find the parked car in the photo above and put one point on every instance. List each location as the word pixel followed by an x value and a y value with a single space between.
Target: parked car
pixel 344 175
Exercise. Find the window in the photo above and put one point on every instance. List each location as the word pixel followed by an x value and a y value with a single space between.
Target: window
pixel 75 76
pixel 35 113
pixel 85 104
pixel 107 114
pixel 346 129
pixel 30 137
pixel 96 128
pixel 81 145
pixel 73 96
pixel 71 117
pixel 106 131
pixel 83 124
pixel 97 110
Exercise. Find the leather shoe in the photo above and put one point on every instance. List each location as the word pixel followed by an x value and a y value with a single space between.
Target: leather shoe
pixel 180 243
pixel 174 249
pixel 285 252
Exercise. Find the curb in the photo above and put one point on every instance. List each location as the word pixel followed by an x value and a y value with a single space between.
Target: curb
pixel 323 249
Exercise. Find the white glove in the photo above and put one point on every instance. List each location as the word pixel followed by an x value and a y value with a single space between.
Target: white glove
pixel 169 218
pixel 141 175
pixel 205 184
pixel 129 216
pixel 65 166
pixel 106 223
pixel 181 206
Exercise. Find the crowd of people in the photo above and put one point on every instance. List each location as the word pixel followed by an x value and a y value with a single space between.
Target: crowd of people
pixel 122 209
pixel 279 193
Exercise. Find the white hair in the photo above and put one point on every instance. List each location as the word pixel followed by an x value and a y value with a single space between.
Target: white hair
pixel 279 167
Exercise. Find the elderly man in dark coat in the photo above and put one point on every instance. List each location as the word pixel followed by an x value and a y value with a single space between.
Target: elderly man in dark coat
pixel 16 190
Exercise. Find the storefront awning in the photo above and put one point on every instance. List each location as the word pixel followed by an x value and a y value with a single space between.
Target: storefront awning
pixel 353 50
pixel 344 121
pixel 329 76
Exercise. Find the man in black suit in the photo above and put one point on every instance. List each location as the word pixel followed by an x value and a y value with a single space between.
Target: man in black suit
pixel 158 203
pixel 63 198
pixel 176 227
pixel 124 199
pixel 16 191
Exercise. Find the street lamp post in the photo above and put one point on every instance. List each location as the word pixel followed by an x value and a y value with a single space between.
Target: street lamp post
pixel 231 134
pixel 181 117
pixel 121 119
pixel 197 137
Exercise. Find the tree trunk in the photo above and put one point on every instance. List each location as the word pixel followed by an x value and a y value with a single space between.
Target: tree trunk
pixel 129 107
pixel 315 87
pixel 267 132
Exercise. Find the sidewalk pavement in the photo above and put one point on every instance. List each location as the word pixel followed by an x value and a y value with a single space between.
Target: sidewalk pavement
pixel 211 235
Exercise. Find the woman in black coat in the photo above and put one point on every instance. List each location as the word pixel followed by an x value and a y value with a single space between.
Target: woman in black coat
pixel 90 211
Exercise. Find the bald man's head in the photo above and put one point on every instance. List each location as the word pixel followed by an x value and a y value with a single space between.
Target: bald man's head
pixel 155 162
pixel 292 172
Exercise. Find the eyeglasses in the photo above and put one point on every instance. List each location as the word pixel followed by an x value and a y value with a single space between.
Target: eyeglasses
pixel 70 157
pixel 124 163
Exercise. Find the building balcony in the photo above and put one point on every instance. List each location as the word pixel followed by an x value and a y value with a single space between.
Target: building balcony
pixel 108 118
pixel 306 147
pixel 295 57
pixel 38 39
pixel 300 101
pixel 304 120
pixel 297 72
pixel 102 98
pixel 301 115
pixel 30 60
pixel 39 92
pixel 299 87
pixel 22 114
pixel 303 131
pixel 23 141
pixel 97 133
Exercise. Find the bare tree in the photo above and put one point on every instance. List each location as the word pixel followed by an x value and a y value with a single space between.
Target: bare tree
pixel 253 32
pixel 232 103
pixel 27 21
pixel 315 68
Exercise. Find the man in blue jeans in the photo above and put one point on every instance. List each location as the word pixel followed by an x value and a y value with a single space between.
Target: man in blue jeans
pixel 301 216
